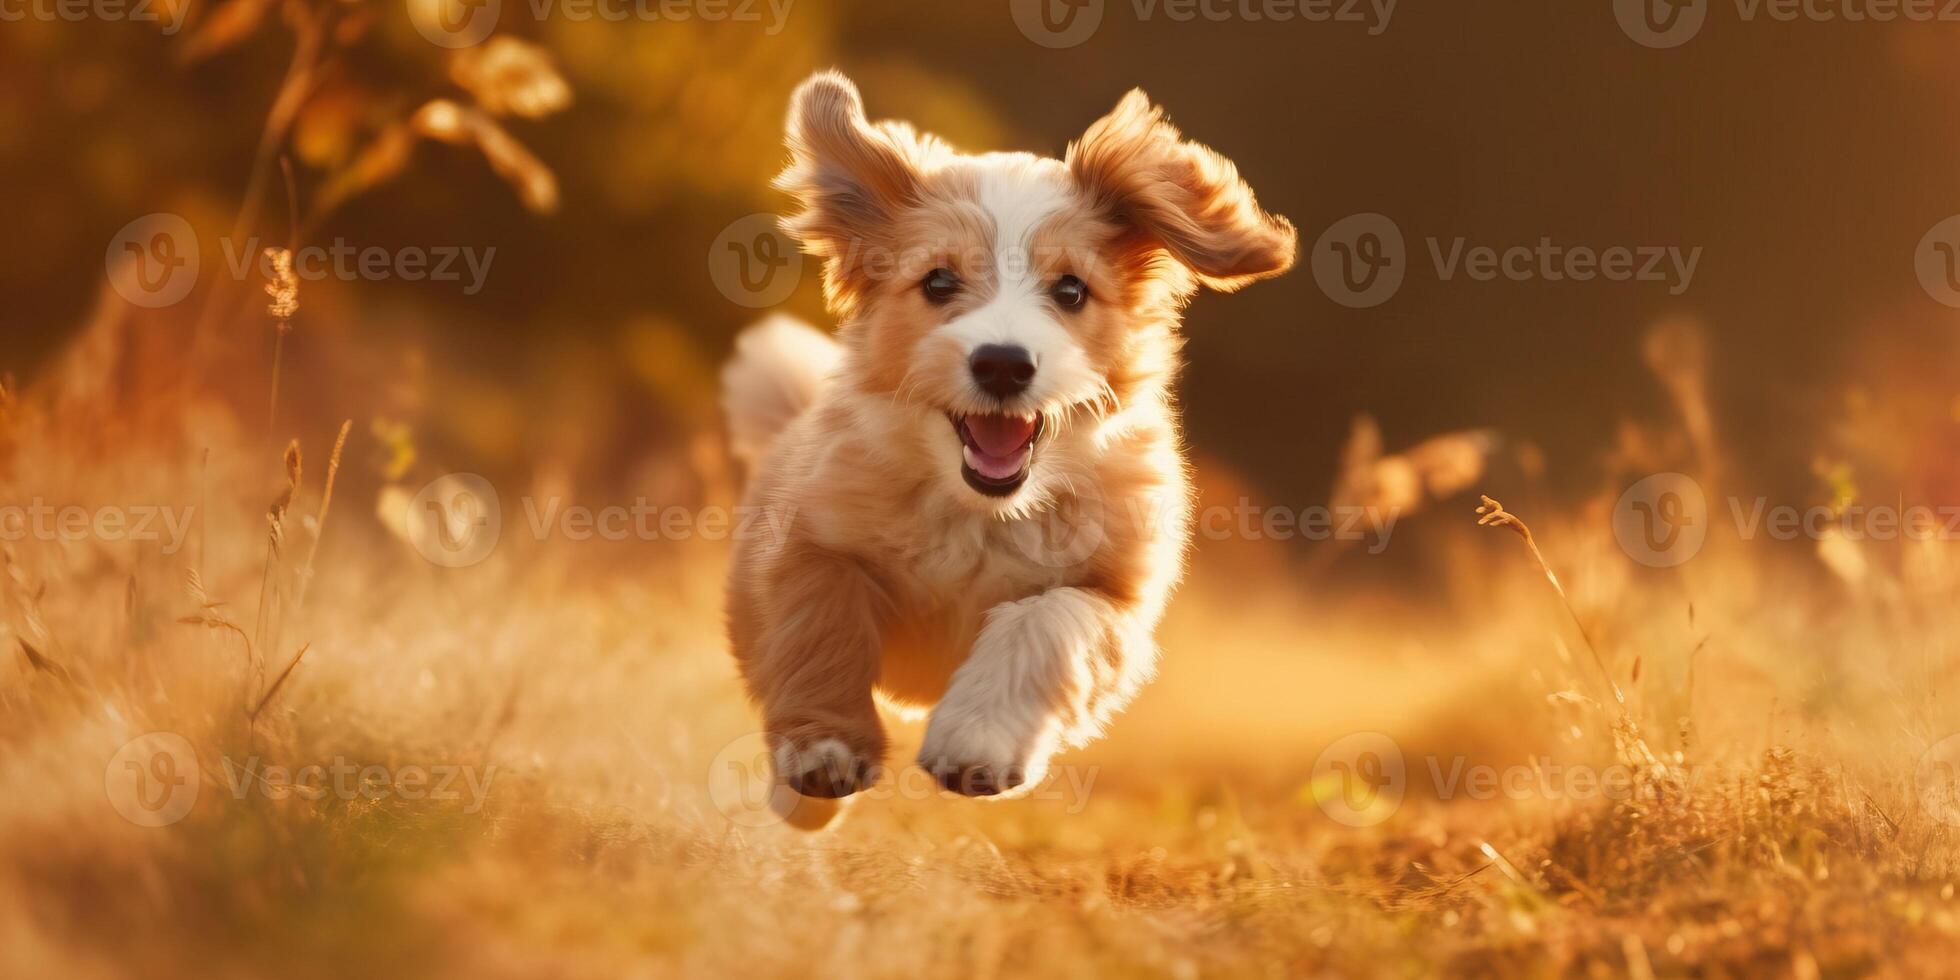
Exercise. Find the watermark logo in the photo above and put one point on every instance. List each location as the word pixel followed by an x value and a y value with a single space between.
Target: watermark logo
pixel 1665 24
pixel 753 263
pixel 349 781
pixel 1067 23
pixel 171 16
pixel 455 521
pixel 1937 262
pixel 1057 23
pixel 1066 533
pixel 1371 526
pixel 1361 779
pixel 348 262
pixel 1661 24
pixel 1069 532
pixel 1938 779
pixel 39 520
pixel 1360 260
pixel 743 786
pixel 153 261
pixel 1662 521
pixel 153 780
pixel 644 520
pixel 454 23
pixel 463 23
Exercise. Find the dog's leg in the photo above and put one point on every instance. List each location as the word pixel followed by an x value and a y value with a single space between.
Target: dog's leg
pixel 813 668
pixel 1042 673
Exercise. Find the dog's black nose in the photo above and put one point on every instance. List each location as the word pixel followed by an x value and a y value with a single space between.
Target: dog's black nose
pixel 1003 371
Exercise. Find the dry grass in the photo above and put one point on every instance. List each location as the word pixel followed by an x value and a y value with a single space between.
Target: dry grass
pixel 1772 821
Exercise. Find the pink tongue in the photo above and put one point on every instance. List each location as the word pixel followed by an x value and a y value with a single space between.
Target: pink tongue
pixel 999 435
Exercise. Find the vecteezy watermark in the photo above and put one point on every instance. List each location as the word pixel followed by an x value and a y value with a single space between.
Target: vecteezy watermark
pixel 1057 23
pixel 772 14
pixel 1362 779
pixel 1671 23
pixel 454 23
pixel 39 520
pixel 1937 777
pixel 170 15
pixel 1248 521
pixel 457 520
pixel 1664 519
pixel 1661 24
pixel 1067 23
pixel 1071 530
pixel 155 780
pixel 349 782
pixel 753 263
pixel 1067 532
pixel 1362 260
pixel 741 781
pixel 340 260
pixel 643 520
pixel 462 23
pixel 1661 520
pixel 154 261
pixel 1936 261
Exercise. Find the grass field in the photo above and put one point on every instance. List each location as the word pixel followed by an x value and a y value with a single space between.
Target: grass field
pixel 1735 767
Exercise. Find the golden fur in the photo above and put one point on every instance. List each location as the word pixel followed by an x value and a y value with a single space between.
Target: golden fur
pixel 1024 621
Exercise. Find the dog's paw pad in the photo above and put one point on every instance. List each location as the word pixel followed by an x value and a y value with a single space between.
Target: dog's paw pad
pixel 979 757
pixel 980 779
pixel 826 768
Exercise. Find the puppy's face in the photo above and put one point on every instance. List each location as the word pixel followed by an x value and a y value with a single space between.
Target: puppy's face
pixel 1003 300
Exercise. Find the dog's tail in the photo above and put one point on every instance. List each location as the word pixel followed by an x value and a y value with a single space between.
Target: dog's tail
pixel 781 365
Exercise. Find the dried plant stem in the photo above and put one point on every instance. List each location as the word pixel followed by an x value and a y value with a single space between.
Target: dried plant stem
pixel 277 683
pixel 302 74
pixel 39 661
pixel 265 595
pixel 203 511
pixel 320 523
pixel 275 535
pixel 216 622
pixel 285 326
pixel 1493 514
pixel 272 403
pixel 1626 731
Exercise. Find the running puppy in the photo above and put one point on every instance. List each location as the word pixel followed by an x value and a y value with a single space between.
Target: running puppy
pixel 989 497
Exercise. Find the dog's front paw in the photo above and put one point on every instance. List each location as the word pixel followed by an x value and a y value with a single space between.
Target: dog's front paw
pixel 979 752
pixel 824 767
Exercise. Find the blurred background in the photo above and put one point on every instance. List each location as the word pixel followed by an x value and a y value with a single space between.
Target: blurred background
pixel 1806 160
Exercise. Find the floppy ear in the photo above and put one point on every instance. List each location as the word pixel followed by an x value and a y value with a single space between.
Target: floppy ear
pixel 1180 195
pixel 849 177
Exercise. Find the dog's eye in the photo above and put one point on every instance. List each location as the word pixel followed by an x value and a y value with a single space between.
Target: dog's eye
pixel 1070 292
pixel 940 285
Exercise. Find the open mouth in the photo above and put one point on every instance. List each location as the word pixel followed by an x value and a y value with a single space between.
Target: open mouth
pixel 998 451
